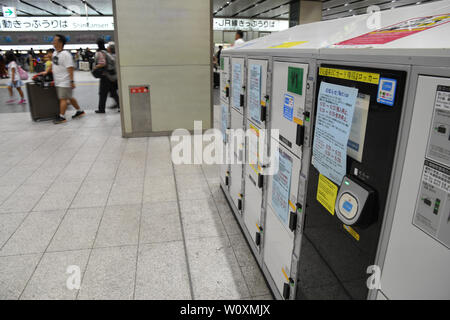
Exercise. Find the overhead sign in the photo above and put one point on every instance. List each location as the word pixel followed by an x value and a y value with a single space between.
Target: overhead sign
pixel 9 12
pixel 30 24
pixel 398 31
pixel 230 24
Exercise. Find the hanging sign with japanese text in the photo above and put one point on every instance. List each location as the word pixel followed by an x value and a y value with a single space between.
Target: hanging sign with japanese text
pixel 30 24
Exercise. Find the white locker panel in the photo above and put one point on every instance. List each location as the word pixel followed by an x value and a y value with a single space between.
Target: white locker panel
pixel 281 201
pixel 288 102
pixel 237 84
pixel 253 184
pixel 225 80
pixel 257 98
pixel 418 257
pixel 237 149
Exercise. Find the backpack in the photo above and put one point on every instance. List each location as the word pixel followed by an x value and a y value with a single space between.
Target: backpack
pixel 22 73
pixel 109 71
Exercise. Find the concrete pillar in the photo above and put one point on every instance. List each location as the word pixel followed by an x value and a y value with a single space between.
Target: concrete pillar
pixel 310 11
pixel 165 45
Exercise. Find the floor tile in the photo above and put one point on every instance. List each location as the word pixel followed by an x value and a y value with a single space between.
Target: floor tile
pixel 201 219
pixel 34 234
pixel 242 250
pixel 92 194
pixel 58 197
pixel 214 270
pixel 255 281
pixel 162 272
pixel 191 187
pixel 9 224
pixel 24 198
pixel 77 230
pixel 119 226
pixel 126 192
pixel 110 274
pixel 159 189
pixel 51 278
pixel 160 223
pixel 15 272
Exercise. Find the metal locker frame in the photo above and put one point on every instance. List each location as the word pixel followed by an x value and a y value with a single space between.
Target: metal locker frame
pixel 225 168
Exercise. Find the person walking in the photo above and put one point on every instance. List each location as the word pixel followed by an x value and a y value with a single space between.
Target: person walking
pixel 104 68
pixel 16 82
pixel 63 69
pixel 113 78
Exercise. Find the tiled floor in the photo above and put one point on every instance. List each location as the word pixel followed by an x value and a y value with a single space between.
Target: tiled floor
pixel 136 226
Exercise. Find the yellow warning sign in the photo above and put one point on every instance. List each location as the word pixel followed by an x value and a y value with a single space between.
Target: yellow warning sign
pixel 288 44
pixel 367 77
pixel 352 232
pixel 327 193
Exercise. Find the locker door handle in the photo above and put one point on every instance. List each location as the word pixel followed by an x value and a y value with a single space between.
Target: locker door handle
pixel 258 238
pixel 227 92
pixel 263 114
pixel 242 100
pixel 260 180
pixel 227 181
pixel 300 135
pixel 240 204
pixel 293 221
pixel 286 291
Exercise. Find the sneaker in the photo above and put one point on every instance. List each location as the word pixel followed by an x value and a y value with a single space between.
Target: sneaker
pixel 11 101
pixel 78 114
pixel 23 101
pixel 59 120
pixel 100 111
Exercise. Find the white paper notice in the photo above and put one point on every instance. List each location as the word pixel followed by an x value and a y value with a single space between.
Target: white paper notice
pixel 254 103
pixel 336 105
pixel 359 124
pixel 237 85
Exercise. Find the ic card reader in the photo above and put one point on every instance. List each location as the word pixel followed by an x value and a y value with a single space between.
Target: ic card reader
pixel 355 203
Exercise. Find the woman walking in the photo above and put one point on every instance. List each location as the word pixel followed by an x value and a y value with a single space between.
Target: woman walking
pixel 15 83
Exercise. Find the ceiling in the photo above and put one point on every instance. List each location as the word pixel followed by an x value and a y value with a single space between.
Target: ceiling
pixel 268 9
pixel 60 7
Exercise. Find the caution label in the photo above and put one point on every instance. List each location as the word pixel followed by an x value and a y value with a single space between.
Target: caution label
pixel 288 45
pixel 367 77
pixel 327 193
pixel 352 232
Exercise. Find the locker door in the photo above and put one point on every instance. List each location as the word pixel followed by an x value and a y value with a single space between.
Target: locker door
pixel 237 84
pixel 225 80
pixel 254 184
pixel 281 218
pixel 237 148
pixel 257 98
pixel 225 125
pixel 288 101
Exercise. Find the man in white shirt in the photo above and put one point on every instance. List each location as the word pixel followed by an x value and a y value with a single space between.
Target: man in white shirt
pixel 62 68
pixel 239 38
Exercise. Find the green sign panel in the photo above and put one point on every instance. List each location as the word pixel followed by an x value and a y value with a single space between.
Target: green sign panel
pixel 295 80
pixel 222 67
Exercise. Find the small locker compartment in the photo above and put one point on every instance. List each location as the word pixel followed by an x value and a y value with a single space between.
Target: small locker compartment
pixel 225 125
pixel 281 218
pixel 357 119
pixel 288 101
pixel 225 90
pixel 238 84
pixel 257 95
pixel 254 182
pixel 237 153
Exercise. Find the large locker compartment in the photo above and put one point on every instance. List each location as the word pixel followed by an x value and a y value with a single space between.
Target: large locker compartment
pixel 346 199
pixel 257 92
pixel 281 218
pixel 237 154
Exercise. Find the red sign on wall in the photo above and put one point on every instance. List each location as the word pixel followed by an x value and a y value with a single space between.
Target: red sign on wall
pixel 397 31
pixel 135 90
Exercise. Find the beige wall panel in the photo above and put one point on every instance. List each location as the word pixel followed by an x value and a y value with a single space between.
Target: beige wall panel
pixel 310 11
pixel 179 95
pixel 163 32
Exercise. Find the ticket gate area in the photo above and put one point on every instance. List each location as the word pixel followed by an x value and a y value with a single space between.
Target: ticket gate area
pixel 348 183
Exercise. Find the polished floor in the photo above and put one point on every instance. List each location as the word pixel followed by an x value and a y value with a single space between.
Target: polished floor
pixel 80 196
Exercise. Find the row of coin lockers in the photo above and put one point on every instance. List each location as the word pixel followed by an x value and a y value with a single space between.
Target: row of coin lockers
pixel 314 233
pixel 269 221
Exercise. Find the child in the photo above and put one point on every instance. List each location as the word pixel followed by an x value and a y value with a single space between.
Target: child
pixel 15 78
